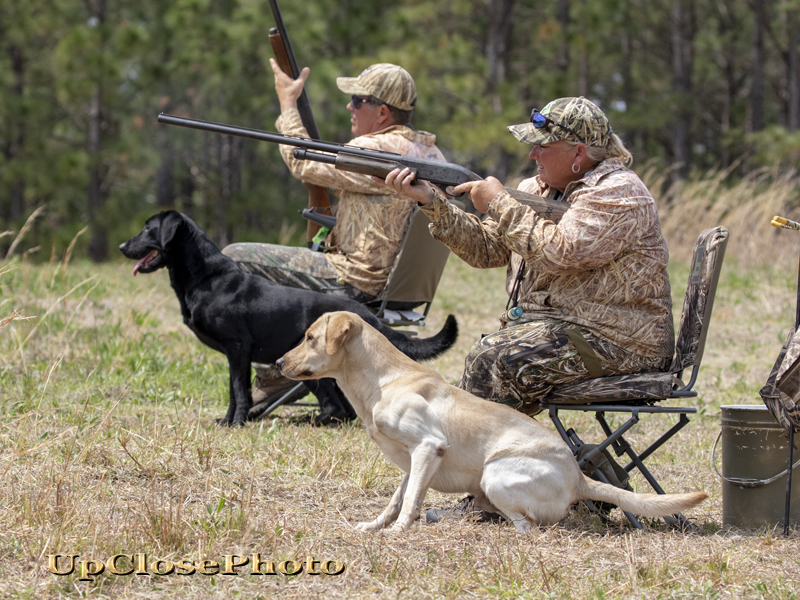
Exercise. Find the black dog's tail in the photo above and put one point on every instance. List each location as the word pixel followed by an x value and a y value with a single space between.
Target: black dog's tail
pixel 421 349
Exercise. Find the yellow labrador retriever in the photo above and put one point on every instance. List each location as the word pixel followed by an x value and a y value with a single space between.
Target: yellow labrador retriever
pixel 450 440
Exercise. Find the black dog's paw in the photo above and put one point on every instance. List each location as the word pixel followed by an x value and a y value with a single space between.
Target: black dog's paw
pixel 229 422
pixel 331 420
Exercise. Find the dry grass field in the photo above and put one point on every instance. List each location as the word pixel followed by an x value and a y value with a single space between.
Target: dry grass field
pixel 108 446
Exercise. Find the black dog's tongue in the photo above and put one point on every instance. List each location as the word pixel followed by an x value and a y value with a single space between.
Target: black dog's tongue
pixel 143 261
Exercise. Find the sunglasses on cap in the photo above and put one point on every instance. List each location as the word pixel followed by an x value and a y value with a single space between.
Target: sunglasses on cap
pixel 540 121
pixel 357 102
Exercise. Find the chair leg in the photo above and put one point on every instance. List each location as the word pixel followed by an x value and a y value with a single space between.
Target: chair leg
pixel 553 413
pixel 574 442
pixel 631 517
pixel 622 446
pixel 287 397
pixel 613 438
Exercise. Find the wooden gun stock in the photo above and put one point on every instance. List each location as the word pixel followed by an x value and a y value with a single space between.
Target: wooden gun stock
pixel 279 51
pixel 317 195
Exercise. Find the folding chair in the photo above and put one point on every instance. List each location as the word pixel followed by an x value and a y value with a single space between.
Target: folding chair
pixel 411 285
pixel 415 275
pixel 639 394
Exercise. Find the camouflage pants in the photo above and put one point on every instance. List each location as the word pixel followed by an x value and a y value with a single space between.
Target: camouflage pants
pixel 294 267
pixel 519 365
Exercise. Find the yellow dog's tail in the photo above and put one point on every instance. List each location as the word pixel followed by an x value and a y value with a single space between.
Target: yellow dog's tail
pixel 645 505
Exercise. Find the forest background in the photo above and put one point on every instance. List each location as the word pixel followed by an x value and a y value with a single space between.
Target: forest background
pixel 696 88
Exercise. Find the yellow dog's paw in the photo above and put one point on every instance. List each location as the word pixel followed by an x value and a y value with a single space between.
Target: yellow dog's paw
pixel 368 526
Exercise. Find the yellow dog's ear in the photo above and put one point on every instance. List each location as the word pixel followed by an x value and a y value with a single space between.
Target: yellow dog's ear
pixel 338 331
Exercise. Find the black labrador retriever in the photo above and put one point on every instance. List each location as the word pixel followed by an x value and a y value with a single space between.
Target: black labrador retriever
pixel 246 317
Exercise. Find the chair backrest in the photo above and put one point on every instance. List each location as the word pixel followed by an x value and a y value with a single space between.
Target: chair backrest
pixel 699 300
pixel 415 275
pixel 418 266
pixel 697 304
pixel 416 272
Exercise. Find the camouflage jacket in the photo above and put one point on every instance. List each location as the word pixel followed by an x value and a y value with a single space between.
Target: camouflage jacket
pixel 603 266
pixel 370 221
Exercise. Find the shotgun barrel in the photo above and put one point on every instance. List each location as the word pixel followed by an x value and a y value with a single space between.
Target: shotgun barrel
pixel 372 162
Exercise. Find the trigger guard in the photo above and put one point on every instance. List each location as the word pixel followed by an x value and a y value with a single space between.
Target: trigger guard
pixel 448 189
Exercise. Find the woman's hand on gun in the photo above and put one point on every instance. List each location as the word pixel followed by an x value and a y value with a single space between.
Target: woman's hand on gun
pixel 402 182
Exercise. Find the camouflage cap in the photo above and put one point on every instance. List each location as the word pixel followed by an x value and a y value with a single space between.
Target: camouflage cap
pixel 391 84
pixel 588 123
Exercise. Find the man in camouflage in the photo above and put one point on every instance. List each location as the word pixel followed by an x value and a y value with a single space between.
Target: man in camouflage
pixel 370 219
pixel 588 296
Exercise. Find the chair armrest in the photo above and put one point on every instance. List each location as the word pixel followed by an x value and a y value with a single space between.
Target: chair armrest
pixel 324 220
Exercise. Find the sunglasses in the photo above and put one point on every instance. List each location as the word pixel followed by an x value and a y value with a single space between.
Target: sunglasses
pixel 539 121
pixel 357 102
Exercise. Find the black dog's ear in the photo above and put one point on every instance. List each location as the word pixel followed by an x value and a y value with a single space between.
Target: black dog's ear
pixel 171 221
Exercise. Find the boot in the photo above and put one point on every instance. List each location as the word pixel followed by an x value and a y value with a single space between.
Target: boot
pixel 334 409
pixel 268 382
pixel 465 509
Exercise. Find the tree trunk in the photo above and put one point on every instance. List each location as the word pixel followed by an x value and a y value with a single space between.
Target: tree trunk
pixel 229 151
pixel 235 174
pixel 187 187
pixel 17 136
pixel 793 76
pixel 98 244
pixel 165 178
pixel 626 51
pixel 583 74
pixel 682 50
pixel 221 206
pixel 583 64
pixel 497 47
pixel 497 53
pixel 205 173
pixel 562 51
pixel 725 30
pixel 757 68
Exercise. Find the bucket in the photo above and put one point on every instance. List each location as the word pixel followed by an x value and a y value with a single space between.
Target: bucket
pixel 755 451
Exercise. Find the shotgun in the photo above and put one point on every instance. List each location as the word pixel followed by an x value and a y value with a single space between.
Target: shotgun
pixel 372 162
pixel 284 56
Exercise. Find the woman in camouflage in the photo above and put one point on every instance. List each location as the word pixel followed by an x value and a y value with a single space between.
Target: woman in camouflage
pixel 588 296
